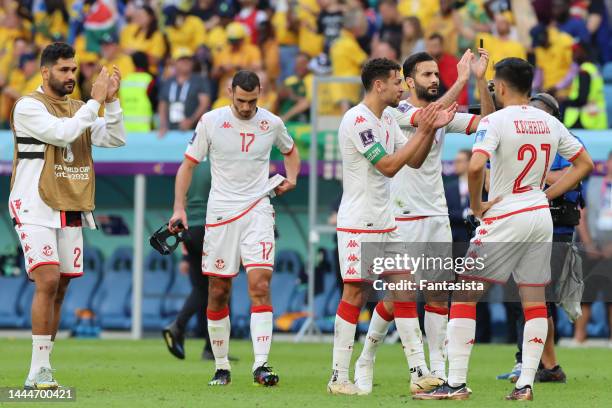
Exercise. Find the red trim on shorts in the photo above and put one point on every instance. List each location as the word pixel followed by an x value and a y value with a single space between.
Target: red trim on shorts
pixel 261 309
pixel 437 310
pixel 419 217
pixel 217 314
pixel 405 310
pixel 71 274
pixel 462 311
pixel 17 220
pixel 533 285
pixel 467 129
pixel 31 269
pixel 357 280
pixel 191 158
pixel 236 217
pixel 258 265
pixel 574 157
pixel 290 150
pixel 479 278
pixel 382 312
pixel 362 231
pixel 535 312
pixel 499 217
pixel 482 151
pixel 219 275
pixel 348 312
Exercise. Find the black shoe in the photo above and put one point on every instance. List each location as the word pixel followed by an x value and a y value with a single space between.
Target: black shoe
pixel 221 377
pixel 264 375
pixel 554 374
pixel 521 394
pixel 445 392
pixel 175 341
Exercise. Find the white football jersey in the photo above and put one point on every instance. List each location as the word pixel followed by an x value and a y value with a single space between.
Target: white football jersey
pixel 363 140
pixel 239 154
pixel 521 143
pixel 420 192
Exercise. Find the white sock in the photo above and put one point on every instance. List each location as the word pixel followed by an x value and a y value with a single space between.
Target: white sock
pixel 261 333
pixel 219 333
pixel 379 325
pixel 436 320
pixel 41 349
pixel 534 337
pixel 460 335
pixel 407 324
pixel 344 337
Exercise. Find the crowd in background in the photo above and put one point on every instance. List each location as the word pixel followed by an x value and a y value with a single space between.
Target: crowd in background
pixel 177 56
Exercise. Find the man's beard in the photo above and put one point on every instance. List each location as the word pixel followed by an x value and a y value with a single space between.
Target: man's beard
pixel 61 88
pixel 423 93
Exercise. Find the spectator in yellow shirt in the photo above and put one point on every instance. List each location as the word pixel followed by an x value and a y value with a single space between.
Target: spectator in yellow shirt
pixel 268 98
pixel 143 35
pixel 51 24
pixel 347 57
pixel 424 10
pixel 270 53
pixel 442 23
pixel 184 30
pixel 223 99
pixel 112 54
pixel 286 27
pixel 25 79
pixel 553 54
pixel 238 54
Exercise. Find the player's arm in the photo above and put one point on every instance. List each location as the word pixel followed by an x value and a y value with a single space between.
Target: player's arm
pixel 415 151
pixel 181 186
pixel 476 177
pixel 463 75
pixel 110 131
pixel 287 146
pixel 582 165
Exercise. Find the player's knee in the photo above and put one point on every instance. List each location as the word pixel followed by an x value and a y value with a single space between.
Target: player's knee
pixel 47 283
pixel 260 288
pixel 219 290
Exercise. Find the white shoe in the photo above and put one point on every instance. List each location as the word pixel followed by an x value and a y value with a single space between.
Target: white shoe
pixel 343 388
pixel 43 380
pixel 425 383
pixel 440 374
pixel 364 375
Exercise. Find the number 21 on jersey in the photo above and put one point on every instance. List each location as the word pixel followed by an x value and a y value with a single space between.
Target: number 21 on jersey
pixel 533 156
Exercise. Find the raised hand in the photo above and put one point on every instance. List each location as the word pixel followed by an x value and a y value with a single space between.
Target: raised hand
pixel 114 85
pixel 479 66
pixel 99 89
pixel 428 117
pixel 445 116
pixel 463 66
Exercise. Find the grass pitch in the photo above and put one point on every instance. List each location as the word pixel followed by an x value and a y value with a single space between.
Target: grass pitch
pixel 123 373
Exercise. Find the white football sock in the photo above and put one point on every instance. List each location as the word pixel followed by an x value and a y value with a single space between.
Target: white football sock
pixel 460 334
pixel 261 333
pixel 41 349
pixel 436 320
pixel 379 325
pixel 219 333
pixel 344 337
pixel 534 337
pixel 407 324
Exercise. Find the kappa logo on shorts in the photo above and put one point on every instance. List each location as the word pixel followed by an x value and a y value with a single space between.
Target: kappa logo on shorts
pixel 352 258
pixel 352 244
pixel 27 248
pixel 470 342
pixel 47 250
pixel 536 340
pixel 17 204
pixel 477 242
pixel 264 125
pixel 351 271
pixel 483 232
pixel 23 236
pixel 219 264
pixel 30 261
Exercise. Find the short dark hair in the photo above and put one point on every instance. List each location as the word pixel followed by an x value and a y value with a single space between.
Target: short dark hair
pixel 516 72
pixel 377 68
pixel 54 52
pixel 437 36
pixel 412 61
pixel 247 80
pixel 140 60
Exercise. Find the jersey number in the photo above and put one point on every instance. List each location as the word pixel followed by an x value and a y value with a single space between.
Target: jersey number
pixel 77 257
pixel 532 159
pixel 266 248
pixel 245 144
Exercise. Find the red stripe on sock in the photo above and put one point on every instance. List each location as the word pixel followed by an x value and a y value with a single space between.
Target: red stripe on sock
pixel 380 309
pixel 462 311
pixel 261 309
pixel 535 312
pixel 348 312
pixel 217 314
pixel 405 309
pixel 437 310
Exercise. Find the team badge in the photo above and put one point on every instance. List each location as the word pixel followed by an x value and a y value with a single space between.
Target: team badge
pixel 367 137
pixel 480 136
pixel 47 250
pixel 67 154
pixel 219 264
pixel 264 125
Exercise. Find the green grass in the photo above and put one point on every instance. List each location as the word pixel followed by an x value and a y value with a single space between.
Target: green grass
pixel 123 373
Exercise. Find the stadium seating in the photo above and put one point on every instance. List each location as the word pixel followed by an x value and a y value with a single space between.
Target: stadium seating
pixel 111 301
pixel 240 306
pixel 24 305
pixel 11 288
pixel 81 290
pixel 157 279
